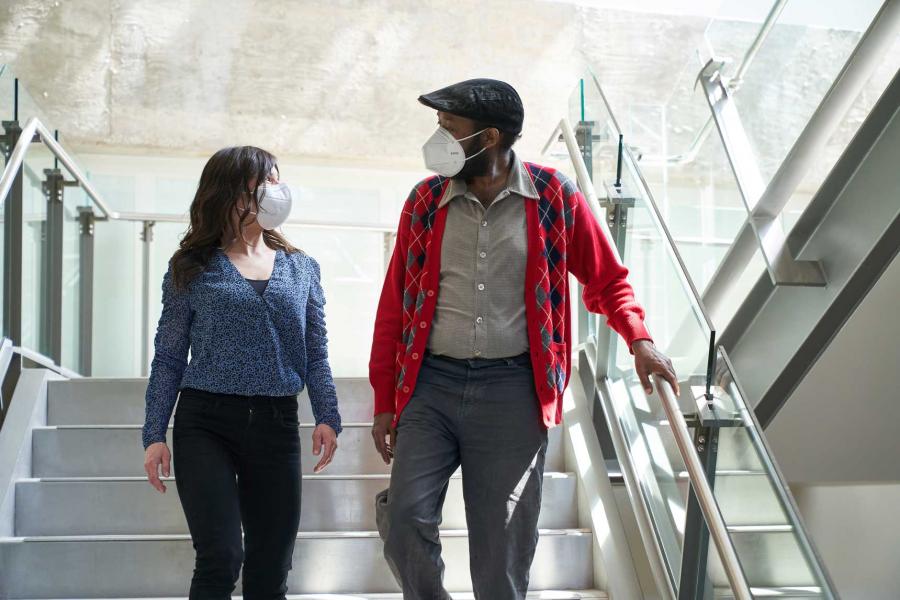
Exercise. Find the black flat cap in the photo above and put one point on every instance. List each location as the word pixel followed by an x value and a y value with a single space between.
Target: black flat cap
pixel 487 101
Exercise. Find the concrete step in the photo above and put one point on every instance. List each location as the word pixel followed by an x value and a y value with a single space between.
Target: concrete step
pixel 337 503
pixel 541 595
pixel 116 451
pixel 782 593
pixel 115 401
pixel 324 563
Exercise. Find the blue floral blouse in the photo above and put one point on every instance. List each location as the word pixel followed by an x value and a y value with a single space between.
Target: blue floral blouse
pixel 242 342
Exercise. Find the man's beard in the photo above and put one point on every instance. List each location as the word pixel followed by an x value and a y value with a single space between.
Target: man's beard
pixel 475 166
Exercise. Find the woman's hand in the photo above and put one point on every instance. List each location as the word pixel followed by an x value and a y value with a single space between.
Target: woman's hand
pixel 324 437
pixel 157 455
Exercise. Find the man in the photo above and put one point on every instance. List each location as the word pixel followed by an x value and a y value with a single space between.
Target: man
pixel 470 355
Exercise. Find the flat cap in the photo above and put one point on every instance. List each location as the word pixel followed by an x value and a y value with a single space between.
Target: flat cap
pixel 488 101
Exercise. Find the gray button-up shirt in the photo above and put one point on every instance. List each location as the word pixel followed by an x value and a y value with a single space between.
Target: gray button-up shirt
pixel 480 310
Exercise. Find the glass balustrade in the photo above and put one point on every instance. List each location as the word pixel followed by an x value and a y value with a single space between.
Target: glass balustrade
pixel 762 524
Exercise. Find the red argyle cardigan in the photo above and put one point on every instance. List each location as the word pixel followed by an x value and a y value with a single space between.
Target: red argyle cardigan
pixel 563 237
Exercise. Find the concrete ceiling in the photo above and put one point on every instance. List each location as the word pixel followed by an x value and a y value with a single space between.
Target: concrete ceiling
pixel 331 80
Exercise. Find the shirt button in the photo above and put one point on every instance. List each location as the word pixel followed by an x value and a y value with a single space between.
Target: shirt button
pixel 415 356
pixel 479 320
pixel 478 353
pixel 480 287
pixel 484 223
pixel 423 324
pixel 482 254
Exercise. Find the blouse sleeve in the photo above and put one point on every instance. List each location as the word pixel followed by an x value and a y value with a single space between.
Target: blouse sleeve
pixel 171 346
pixel 319 380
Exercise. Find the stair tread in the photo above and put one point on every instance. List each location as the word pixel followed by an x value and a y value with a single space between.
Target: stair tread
pixel 764 528
pixel 94 380
pixel 775 592
pixel 536 595
pixel 138 426
pixel 324 476
pixel 301 535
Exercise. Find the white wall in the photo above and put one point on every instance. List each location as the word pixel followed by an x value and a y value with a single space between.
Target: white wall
pixel 856 531
pixel 841 423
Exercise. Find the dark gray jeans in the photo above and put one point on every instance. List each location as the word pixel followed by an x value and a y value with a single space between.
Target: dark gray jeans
pixel 482 414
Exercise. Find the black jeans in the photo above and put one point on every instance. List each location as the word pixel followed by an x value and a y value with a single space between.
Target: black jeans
pixel 237 462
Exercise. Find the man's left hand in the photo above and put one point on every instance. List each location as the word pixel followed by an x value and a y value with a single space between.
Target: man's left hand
pixel 649 361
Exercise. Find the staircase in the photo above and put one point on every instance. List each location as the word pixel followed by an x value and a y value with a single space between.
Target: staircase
pixel 87 524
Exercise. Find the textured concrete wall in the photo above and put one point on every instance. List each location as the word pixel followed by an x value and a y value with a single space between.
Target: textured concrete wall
pixel 339 79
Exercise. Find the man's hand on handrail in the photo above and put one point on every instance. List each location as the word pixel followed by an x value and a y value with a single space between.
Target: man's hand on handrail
pixel 650 361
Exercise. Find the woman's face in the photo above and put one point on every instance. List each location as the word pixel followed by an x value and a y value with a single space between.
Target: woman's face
pixel 246 206
pixel 245 202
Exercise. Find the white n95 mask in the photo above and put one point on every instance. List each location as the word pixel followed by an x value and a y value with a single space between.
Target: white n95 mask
pixel 274 200
pixel 444 154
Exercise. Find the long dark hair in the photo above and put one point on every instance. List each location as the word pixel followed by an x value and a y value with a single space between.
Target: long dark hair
pixel 226 176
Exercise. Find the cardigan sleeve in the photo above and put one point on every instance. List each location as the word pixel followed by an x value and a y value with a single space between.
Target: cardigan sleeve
pixel 171 346
pixel 319 379
pixel 389 318
pixel 595 263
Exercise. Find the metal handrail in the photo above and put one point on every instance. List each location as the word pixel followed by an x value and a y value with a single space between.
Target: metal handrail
pixel 17 157
pixel 705 498
pixel 45 361
pixel 140 217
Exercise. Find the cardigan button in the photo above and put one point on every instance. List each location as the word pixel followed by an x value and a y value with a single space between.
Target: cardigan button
pixel 405 389
pixel 431 292
pixel 415 356
pixel 423 324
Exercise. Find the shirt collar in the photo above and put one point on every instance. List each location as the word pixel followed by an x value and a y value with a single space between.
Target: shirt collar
pixel 519 182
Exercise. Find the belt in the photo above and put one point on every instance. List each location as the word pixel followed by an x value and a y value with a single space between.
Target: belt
pixel 523 359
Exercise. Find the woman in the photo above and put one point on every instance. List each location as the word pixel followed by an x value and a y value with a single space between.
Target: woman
pixel 250 308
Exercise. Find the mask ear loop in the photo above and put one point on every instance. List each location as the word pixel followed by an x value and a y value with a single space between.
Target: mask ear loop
pixel 471 136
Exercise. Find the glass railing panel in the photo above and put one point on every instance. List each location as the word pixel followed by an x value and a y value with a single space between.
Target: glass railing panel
pixel 794 69
pixel 754 500
pixel 6 114
pixel 698 197
pixel 750 495
pixel 671 126
pixel 353 266
pixel 674 318
pixel 74 202
pixel 34 232
pixel 648 438
pixel 29 105
pixel 888 67
pixel 7 93
pixel 673 313
pixel 117 301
